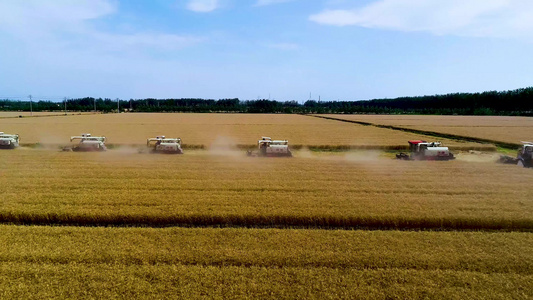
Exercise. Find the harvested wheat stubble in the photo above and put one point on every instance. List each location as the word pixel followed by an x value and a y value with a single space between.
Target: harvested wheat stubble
pixel 497 128
pixel 211 129
pixel 206 188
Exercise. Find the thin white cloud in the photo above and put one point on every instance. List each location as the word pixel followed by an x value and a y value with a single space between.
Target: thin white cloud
pixel 284 46
pixel 270 2
pixel 481 18
pixel 203 6
pixel 33 15
pixel 67 24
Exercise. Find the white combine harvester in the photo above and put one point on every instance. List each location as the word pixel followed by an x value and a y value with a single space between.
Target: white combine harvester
pixel 272 148
pixel 88 143
pixel 161 144
pixel 422 150
pixel 524 157
pixel 9 141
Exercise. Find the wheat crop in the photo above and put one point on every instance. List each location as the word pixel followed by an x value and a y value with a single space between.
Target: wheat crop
pixel 496 128
pixel 202 188
pixel 62 262
pixel 206 130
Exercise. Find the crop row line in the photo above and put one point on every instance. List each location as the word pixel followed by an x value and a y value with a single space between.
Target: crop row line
pixel 270 221
pixel 225 262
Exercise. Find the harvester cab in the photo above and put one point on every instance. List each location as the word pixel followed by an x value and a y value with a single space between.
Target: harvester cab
pixel 525 155
pixel 422 150
pixel 161 144
pixel 272 148
pixel 89 143
pixel 8 141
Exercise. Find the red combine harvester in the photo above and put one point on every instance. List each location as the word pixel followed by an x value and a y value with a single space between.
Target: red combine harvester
pixel 422 150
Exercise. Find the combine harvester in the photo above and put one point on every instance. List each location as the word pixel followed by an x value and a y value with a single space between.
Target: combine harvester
pixel 524 158
pixel 272 148
pixel 9 141
pixel 160 144
pixel 88 143
pixel 422 150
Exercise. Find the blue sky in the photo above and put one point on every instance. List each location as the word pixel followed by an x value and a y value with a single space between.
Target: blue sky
pixel 249 49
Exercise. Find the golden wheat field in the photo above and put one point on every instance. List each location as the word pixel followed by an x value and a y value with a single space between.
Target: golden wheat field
pixel 148 263
pixel 209 129
pixel 496 128
pixel 227 188
pixel 215 223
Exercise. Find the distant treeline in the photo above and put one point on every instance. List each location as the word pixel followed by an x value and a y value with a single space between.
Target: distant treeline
pixel 515 102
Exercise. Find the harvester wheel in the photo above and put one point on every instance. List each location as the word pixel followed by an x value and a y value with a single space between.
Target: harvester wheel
pixel 402 156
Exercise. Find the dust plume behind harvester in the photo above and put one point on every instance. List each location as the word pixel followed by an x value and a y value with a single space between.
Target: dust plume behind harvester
pixel 8 141
pixel 524 157
pixel 271 148
pixel 422 150
pixel 87 143
pixel 161 144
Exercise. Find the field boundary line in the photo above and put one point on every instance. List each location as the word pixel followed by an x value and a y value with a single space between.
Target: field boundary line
pixel 510 146
pixel 44 116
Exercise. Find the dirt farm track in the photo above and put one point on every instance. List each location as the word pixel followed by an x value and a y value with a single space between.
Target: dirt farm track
pixel 341 219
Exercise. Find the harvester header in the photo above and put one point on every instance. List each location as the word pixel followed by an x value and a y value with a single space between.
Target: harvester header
pixel 9 141
pixel 524 157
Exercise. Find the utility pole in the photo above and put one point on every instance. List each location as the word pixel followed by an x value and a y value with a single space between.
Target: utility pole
pixel 118 106
pixel 31 108
pixel 65 99
pixel 94 100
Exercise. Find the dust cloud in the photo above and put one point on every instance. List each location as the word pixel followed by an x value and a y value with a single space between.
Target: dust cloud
pixel 128 150
pixel 477 156
pixel 53 142
pixel 225 146
pixel 363 156
pixel 350 156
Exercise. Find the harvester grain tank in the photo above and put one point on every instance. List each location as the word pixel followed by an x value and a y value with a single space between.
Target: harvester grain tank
pixel 524 157
pixel 272 148
pixel 161 144
pixel 8 141
pixel 422 150
pixel 89 143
